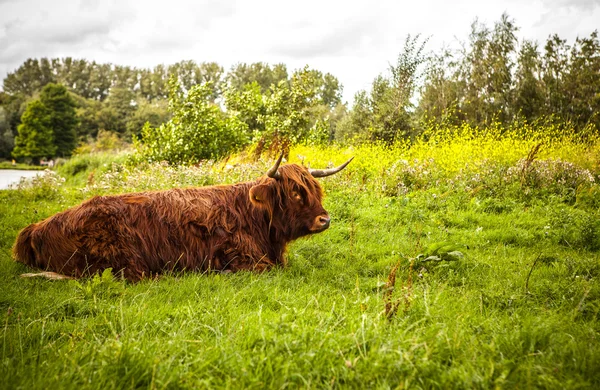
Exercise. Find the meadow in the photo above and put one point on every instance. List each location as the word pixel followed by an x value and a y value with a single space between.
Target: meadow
pixel 467 259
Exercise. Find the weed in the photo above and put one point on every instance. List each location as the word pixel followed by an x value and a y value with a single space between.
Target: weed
pixel 391 304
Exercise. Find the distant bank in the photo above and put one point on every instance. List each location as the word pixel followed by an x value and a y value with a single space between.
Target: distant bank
pixel 12 176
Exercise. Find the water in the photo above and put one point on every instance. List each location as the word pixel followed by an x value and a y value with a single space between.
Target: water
pixel 13 176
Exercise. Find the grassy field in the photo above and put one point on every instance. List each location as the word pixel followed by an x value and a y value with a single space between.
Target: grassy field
pixel 496 284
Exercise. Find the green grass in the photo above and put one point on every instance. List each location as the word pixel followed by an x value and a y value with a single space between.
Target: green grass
pixel 81 169
pixel 519 310
pixel 9 165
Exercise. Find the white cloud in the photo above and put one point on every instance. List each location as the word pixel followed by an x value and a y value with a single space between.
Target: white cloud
pixel 355 41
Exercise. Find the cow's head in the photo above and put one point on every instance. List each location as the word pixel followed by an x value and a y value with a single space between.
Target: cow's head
pixel 292 197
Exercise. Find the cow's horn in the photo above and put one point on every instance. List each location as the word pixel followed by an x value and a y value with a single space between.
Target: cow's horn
pixel 273 171
pixel 328 172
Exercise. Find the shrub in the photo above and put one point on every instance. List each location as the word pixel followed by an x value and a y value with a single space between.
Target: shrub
pixel 198 130
pixel 575 228
pixel 551 175
pixel 104 142
pixel 402 177
pixel 43 186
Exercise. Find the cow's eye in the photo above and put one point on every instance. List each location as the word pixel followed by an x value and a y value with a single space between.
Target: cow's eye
pixel 296 196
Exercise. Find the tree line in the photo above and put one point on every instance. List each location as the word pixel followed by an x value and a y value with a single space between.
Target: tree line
pixel 122 99
pixel 495 78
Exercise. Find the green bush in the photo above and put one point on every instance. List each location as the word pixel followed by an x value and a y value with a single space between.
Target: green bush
pixel 81 169
pixel 198 130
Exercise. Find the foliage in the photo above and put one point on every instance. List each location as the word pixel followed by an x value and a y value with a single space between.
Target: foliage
pixel 496 78
pixel 248 105
pixel 48 125
pixel 105 141
pixel 287 118
pixel 260 73
pixel 155 113
pixel 91 80
pixel 290 113
pixel 7 140
pixel 529 92
pixel 62 117
pixel 384 114
pixel 83 169
pixel 119 108
pixel 13 107
pixel 197 130
pixel 35 139
pixel 100 286
pixel 88 117
pixel 44 186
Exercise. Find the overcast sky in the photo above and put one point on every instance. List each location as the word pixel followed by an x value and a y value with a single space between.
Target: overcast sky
pixel 355 41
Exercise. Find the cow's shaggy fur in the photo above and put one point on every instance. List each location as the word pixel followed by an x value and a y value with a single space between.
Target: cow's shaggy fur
pixel 243 226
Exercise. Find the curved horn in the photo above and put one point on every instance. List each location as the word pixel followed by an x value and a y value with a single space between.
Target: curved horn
pixel 328 172
pixel 273 171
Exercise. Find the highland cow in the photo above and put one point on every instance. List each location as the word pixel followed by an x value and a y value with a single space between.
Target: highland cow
pixel 244 226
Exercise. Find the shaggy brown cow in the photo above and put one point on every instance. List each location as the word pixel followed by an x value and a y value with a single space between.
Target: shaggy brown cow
pixel 244 226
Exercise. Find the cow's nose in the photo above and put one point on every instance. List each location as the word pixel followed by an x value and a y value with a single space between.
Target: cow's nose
pixel 324 221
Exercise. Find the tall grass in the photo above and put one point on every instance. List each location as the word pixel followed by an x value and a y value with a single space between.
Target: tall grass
pixel 82 168
pixel 520 309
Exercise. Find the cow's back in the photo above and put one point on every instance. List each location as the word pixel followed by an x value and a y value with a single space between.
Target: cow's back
pixel 140 233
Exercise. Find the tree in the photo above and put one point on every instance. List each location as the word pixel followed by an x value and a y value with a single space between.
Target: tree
pixel 554 73
pixel 287 113
pixel 329 88
pixel 124 77
pixel 7 139
pixel 387 113
pixel 262 73
pixel 145 84
pixel 472 75
pixel 391 96
pixel 107 118
pixel 441 92
pixel 248 105
pixel 356 125
pixel 288 118
pixel 14 106
pixel 76 75
pixel 88 116
pixel 189 73
pixel 62 117
pixel 158 84
pixel 155 113
pixel 331 91
pixel 197 130
pixel 486 72
pixel 35 139
pixel 529 95
pixel 28 78
pixel 500 68
pixel 212 73
pixel 100 81
pixel 582 82
pixel 119 107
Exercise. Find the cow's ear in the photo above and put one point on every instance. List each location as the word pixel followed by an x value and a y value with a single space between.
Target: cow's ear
pixel 260 195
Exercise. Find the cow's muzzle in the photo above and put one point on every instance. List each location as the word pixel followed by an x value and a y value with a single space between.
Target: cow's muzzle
pixel 321 223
